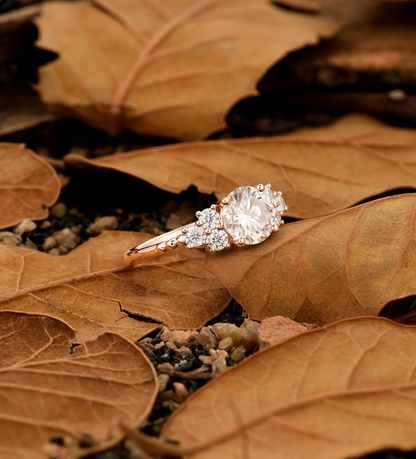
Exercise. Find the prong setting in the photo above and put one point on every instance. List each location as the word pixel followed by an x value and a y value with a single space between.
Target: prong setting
pixel 247 216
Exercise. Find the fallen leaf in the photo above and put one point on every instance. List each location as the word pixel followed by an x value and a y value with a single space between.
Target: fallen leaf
pixel 21 108
pixel 93 291
pixel 319 170
pixel 334 393
pixel 28 185
pixel 165 68
pixel 16 34
pixel 396 106
pixel 374 49
pixel 348 264
pixel 50 389
pixel 310 6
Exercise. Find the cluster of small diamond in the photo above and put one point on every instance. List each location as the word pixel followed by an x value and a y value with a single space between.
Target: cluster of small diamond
pixel 207 231
pixel 279 206
pixel 249 215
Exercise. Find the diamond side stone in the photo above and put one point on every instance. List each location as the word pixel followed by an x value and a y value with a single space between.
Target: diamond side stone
pixel 195 237
pixel 218 239
pixel 209 219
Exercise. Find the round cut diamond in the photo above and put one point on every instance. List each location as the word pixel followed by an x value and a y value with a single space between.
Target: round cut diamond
pixel 195 237
pixel 249 215
pixel 209 218
pixel 218 239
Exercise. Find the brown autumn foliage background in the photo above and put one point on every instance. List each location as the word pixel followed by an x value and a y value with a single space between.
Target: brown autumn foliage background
pixel 118 121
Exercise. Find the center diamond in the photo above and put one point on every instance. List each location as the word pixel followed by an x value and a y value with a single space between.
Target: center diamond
pixel 248 215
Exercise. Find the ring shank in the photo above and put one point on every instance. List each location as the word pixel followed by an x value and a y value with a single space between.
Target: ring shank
pixel 153 247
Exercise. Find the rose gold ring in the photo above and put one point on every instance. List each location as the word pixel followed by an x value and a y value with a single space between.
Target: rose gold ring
pixel 247 216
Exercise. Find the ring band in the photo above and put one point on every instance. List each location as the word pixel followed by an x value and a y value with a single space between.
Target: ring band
pixel 247 216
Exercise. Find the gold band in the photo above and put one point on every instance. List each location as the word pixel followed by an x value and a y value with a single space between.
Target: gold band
pixel 248 215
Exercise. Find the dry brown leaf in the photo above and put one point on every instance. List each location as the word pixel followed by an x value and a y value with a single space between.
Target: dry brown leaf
pixel 91 289
pixel 21 108
pixel 375 49
pixel 28 185
pixel 51 390
pixel 319 170
pixel 348 264
pixel 16 35
pixel 171 68
pixel 310 6
pixel 334 393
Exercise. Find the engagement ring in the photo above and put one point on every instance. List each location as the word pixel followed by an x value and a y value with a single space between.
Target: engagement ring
pixel 247 216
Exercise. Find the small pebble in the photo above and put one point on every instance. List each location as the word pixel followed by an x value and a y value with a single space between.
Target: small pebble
pixel 58 210
pixel 186 363
pixel 170 405
pixel 145 340
pixel 45 225
pixel 171 346
pixel 103 224
pixel 238 354
pixel 62 250
pixel 251 338
pixel 166 366
pixel 181 392
pixel 10 238
pixel 25 226
pixel 216 359
pixel 179 337
pixel 275 330
pixel 184 351
pixel 67 238
pixel 226 344
pixel 163 382
pixel 207 339
pixel 54 251
pixel 225 330
pixel 49 243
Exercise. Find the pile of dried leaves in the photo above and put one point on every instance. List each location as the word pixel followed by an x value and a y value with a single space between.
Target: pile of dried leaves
pixel 301 346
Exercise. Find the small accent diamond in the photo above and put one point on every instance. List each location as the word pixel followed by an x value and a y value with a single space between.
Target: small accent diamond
pixel 279 203
pixel 209 219
pixel 276 219
pixel 195 237
pixel 218 239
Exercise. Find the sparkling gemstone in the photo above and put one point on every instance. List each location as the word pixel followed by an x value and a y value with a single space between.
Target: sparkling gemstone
pixel 267 196
pixel 279 203
pixel 195 237
pixel 218 239
pixel 249 215
pixel 277 218
pixel 209 218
